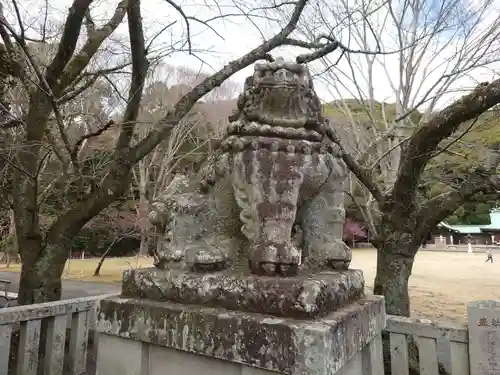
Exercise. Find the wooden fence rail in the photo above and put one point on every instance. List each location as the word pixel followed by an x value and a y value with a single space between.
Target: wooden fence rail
pixel 426 335
pixel 472 349
pixel 40 335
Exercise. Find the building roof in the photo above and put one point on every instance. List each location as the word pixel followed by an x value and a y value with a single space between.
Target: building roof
pixel 476 229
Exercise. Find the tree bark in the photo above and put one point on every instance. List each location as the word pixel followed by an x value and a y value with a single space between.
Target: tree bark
pixel 397 244
pixel 40 279
pixel 395 258
pixel 394 266
pixel 11 251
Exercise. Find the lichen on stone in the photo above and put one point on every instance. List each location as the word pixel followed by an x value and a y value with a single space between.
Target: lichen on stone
pixel 270 198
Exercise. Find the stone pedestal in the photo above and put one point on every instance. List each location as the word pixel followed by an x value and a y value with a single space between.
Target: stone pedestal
pixel 303 296
pixel 220 332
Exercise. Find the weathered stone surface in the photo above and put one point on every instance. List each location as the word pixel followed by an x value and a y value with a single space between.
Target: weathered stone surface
pixel 287 346
pixel 273 190
pixel 306 296
pixel 484 336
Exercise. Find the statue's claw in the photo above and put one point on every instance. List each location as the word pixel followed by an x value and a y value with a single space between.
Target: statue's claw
pixel 332 255
pixel 340 265
pixel 271 259
pixel 209 261
pixel 267 269
pixel 338 256
pixel 175 256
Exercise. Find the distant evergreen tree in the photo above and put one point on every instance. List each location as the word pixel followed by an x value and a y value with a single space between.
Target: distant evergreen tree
pixel 472 214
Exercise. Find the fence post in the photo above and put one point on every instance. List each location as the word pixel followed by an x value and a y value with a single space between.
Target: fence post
pixel 484 337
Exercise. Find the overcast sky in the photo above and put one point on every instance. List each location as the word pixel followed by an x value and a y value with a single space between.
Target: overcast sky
pixel 234 36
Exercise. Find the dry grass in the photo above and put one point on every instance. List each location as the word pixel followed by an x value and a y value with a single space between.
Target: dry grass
pixel 440 286
pixel 111 270
pixel 442 283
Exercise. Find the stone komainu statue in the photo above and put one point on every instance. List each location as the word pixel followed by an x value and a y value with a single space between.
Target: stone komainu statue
pixel 272 193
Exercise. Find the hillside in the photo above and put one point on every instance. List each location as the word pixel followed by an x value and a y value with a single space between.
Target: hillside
pixel 467 148
pixel 351 118
pixel 355 124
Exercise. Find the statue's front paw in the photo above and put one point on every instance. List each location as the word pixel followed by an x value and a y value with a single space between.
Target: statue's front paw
pixel 209 260
pixel 338 255
pixel 328 255
pixel 168 256
pixel 271 258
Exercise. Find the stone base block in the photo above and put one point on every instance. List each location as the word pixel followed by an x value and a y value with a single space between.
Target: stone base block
pixel 169 338
pixel 303 296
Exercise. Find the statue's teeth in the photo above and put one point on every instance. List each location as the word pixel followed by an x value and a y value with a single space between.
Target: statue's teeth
pixel 280 131
pixel 302 132
pixel 269 268
pixel 253 127
pixel 266 129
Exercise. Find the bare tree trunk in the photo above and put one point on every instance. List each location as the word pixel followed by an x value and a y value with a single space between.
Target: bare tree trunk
pixel 41 273
pixel 106 253
pixel 11 253
pixel 394 265
pixel 12 249
pixel 395 258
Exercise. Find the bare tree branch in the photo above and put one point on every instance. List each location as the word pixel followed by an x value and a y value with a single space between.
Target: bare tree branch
pixel 365 176
pixel 95 39
pixel 68 41
pixel 187 101
pixel 3 32
pixel 113 184
pixel 97 133
pixel 73 90
pixel 139 68
pixel 19 20
pixel 427 137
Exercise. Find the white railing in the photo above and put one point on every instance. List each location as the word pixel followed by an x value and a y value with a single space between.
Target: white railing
pixel 34 338
pixel 426 335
